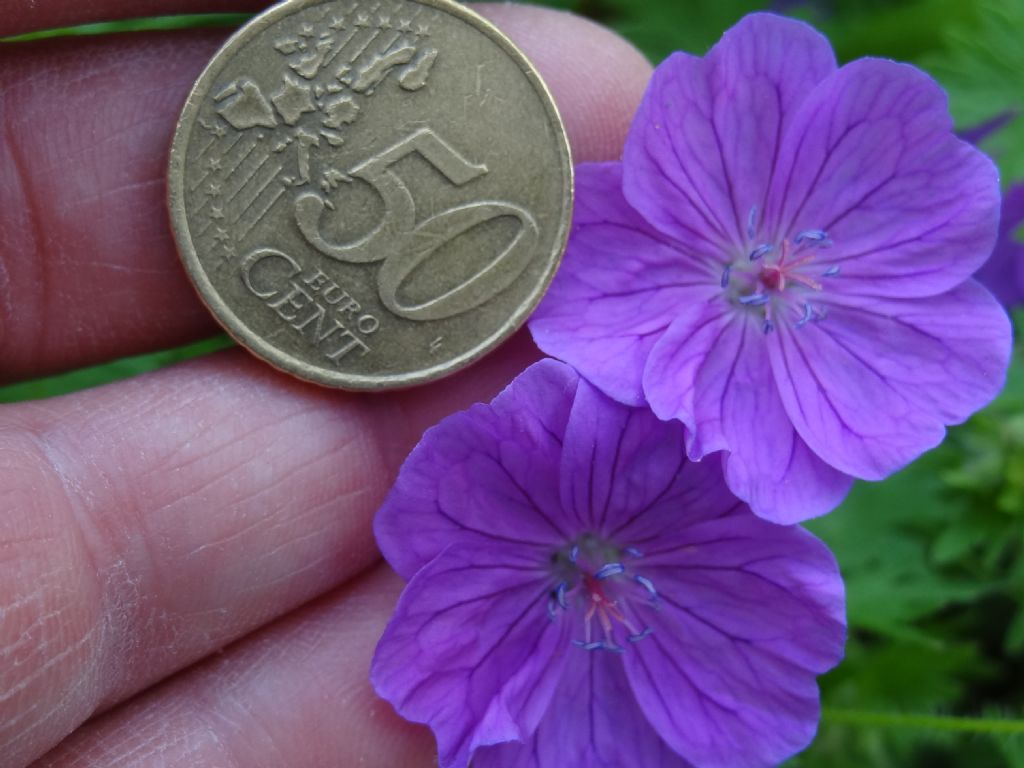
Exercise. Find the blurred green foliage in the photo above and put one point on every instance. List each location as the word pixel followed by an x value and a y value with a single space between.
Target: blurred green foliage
pixel 933 557
pixel 982 67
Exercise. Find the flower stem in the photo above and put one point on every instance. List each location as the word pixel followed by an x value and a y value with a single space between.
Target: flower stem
pixel 950 723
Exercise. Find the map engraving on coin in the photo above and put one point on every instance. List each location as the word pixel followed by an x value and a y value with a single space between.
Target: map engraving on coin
pixel 370 195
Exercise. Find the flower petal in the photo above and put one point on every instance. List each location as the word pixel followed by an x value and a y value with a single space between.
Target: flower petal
pixel 703 147
pixel 593 721
pixel 471 651
pixel 871 159
pixel 698 494
pixel 487 474
pixel 618 461
pixel 750 613
pixel 1003 273
pixel 871 386
pixel 618 288
pixel 711 370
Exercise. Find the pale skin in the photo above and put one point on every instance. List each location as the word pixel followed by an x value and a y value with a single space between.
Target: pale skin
pixel 187 569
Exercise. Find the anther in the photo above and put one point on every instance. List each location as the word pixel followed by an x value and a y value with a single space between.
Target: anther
pixel 769 326
pixel 647 584
pixel 574 553
pixel 597 645
pixel 634 552
pixel 640 635
pixel 807 316
pixel 726 274
pixel 760 251
pixel 755 300
pixel 551 610
pixel 752 222
pixel 560 595
pixel 811 236
pixel 831 272
pixel 609 570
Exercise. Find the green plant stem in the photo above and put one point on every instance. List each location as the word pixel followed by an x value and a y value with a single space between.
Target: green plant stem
pixel 949 723
pixel 145 24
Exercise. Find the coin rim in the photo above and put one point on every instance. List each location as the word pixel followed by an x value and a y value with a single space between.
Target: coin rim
pixel 239 330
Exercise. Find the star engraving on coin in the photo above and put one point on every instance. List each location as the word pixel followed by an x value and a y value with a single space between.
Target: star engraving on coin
pixel 370 195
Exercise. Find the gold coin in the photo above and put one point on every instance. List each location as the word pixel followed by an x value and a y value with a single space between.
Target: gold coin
pixel 370 194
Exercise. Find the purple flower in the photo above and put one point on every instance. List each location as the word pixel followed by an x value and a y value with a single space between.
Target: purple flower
pixel 1003 274
pixel 781 262
pixel 582 596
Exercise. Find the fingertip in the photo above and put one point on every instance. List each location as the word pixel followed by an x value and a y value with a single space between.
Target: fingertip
pixel 596 77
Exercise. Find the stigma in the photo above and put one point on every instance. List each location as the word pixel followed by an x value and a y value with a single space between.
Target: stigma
pixel 598 585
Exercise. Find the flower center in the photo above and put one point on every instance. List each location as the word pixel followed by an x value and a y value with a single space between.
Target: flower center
pixel 772 279
pixel 597 581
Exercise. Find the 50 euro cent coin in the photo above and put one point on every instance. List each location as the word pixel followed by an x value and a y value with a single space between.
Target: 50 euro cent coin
pixel 370 195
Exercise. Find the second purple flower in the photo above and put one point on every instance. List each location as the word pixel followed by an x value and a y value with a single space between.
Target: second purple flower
pixel 582 596
pixel 781 261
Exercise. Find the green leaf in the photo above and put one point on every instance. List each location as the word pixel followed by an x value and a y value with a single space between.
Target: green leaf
pixel 877 535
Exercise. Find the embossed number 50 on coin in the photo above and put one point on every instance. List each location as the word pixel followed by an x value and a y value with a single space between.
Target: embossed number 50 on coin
pixel 370 194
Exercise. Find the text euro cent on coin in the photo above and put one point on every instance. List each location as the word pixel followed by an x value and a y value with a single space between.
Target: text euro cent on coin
pixel 370 195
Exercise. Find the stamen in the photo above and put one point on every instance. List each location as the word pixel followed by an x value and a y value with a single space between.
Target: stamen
pixel 773 269
pixel 608 605
pixel 609 570
pixel 811 236
pixel 800 262
pixel 606 623
pixel 761 250
pixel 640 635
pixel 647 584
pixel 814 285
pixel 807 317
pixel 785 252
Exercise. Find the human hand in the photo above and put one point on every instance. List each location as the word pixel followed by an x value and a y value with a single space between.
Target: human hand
pixel 146 525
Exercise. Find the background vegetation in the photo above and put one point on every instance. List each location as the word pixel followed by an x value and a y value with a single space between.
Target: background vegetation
pixel 933 557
